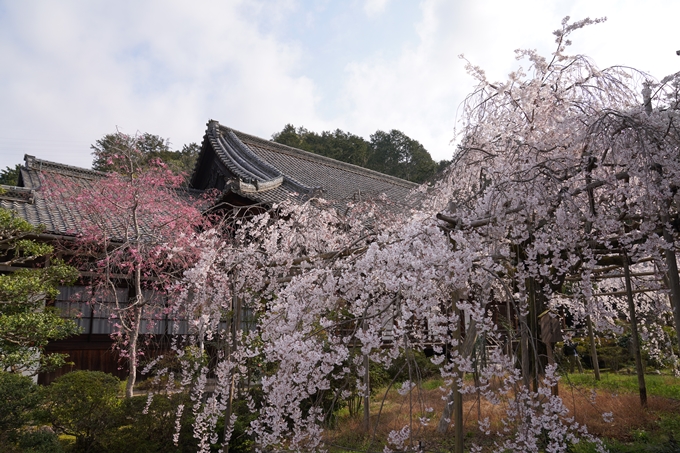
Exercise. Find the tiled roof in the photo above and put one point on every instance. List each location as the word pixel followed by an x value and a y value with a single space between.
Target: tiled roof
pixel 269 172
pixel 253 168
pixel 39 209
pixel 30 203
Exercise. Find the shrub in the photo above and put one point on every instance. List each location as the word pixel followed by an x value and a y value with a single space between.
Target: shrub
pixel 18 397
pixel 151 430
pixel 40 441
pixel 421 367
pixel 83 404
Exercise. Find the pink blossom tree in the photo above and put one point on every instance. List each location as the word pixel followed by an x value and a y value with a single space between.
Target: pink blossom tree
pixel 138 229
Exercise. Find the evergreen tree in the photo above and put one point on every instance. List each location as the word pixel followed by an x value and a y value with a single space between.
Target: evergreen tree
pixel 151 148
pixel 26 324
pixel 392 153
pixel 396 154
pixel 10 176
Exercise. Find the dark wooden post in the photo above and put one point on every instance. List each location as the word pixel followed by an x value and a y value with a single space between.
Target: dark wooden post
pixel 458 396
pixel 367 394
pixel 593 348
pixel 231 348
pixel 551 332
pixel 634 334
pixel 454 403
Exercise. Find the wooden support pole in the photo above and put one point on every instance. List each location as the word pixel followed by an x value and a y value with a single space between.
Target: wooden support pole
pixel 231 349
pixel 593 348
pixel 227 412
pixel 534 363
pixel 454 403
pixel 524 349
pixel 367 394
pixel 634 335
pixel 458 399
pixel 672 278
pixel 588 227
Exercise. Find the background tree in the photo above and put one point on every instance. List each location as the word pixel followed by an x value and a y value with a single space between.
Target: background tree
pixel 151 148
pixel 339 145
pixel 391 153
pixel 26 324
pixel 10 176
pixel 396 154
pixel 293 137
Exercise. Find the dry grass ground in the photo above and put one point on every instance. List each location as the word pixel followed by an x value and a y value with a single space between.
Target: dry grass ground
pixel 392 411
pixel 587 408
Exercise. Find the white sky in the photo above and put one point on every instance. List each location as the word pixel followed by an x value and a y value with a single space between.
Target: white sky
pixel 72 71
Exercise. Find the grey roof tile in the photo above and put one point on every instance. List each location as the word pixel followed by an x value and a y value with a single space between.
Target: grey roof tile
pixel 257 169
pixel 38 208
pixel 246 158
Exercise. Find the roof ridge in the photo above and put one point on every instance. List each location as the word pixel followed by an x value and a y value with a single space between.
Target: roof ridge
pixel 242 161
pixel 326 160
pixel 33 163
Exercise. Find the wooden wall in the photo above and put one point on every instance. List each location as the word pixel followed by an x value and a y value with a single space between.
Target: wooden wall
pixel 87 352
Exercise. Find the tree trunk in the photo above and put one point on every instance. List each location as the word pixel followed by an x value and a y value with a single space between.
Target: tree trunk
pixel 138 310
pixel 132 351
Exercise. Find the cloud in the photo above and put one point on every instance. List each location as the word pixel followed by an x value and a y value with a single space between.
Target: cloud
pixel 420 90
pixel 72 71
pixel 79 70
pixel 375 7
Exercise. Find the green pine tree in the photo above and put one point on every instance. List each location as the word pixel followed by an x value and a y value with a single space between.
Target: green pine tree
pixel 26 323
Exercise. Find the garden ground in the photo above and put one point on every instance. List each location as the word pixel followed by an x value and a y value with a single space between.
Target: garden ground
pixel 630 428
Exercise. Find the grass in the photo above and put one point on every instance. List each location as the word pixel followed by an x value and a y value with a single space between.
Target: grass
pixel 663 386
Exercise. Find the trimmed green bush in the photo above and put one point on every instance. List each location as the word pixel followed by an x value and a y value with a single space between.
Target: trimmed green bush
pixel 84 404
pixel 40 441
pixel 18 397
pixel 152 431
